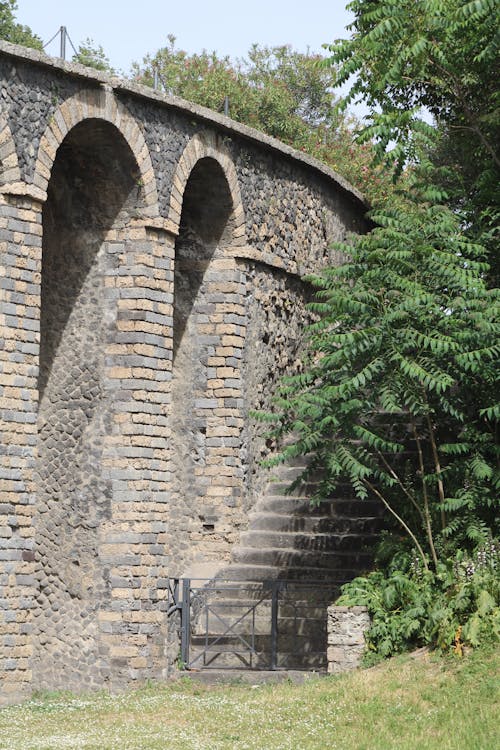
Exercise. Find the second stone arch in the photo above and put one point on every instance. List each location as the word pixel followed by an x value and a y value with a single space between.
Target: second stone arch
pixel 209 330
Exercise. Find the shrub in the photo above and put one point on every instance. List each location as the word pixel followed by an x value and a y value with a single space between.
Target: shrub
pixel 456 605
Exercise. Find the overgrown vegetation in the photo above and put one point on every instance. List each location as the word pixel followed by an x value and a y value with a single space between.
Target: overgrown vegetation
pixel 15 32
pixel 286 94
pixel 454 605
pixel 93 56
pixel 404 704
pixel 438 57
pixel 400 388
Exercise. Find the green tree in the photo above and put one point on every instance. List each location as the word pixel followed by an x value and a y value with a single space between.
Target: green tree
pixel 396 391
pixel 285 93
pixel 281 91
pixel 202 78
pixel 93 56
pixel 400 391
pixel 15 32
pixel 438 57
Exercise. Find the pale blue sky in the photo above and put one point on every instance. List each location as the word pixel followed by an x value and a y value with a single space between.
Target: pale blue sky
pixel 128 29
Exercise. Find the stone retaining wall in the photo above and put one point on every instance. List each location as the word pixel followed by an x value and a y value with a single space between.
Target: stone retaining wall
pixel 346 630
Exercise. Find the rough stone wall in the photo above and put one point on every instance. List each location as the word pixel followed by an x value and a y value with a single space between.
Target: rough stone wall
pixel 206 424
pixel 164 306
pixel 346 628
pixel 276 310
pixel 91 192
pixel 292 216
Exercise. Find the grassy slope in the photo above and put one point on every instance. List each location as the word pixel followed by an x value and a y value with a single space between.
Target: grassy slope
pixel 404 703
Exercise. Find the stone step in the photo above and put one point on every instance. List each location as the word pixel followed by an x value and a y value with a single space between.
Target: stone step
pixel 219 659
pixel 318 524
pixel 231 658
pixel 287 642
pixel 292 598
pixel 275 503
pixel 282 487
pixel 263 539
pixel 292 595
pixel 231 621
pixel 215 676
pixel 283 558
pixel 286 475
pixel 251 572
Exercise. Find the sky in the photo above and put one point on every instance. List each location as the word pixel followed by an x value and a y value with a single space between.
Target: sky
pixel 129 29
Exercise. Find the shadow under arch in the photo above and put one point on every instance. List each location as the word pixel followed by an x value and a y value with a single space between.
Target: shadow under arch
pixel 97 104
pixel 92 195
pixel 205 231
pixel 204 277
pixel 94 188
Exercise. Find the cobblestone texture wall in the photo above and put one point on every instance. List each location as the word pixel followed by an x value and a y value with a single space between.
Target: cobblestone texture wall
pixel 150 263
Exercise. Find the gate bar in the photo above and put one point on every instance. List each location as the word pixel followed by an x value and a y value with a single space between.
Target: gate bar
pixel 275 587
pixel 185 621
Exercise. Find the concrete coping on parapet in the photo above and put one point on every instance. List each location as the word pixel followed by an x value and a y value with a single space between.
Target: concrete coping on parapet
pixel 175 102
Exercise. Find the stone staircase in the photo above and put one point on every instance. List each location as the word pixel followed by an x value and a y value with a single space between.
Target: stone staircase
pixel 314 549
pixel 289 539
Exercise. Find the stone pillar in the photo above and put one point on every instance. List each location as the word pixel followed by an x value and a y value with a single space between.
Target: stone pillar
pixel 137 453
pixel 346 637
pixel 222 403
pixel 20 264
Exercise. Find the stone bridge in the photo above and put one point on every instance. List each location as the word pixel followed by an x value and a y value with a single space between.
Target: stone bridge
pixel 151 255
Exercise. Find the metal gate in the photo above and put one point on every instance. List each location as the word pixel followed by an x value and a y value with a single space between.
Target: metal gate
pixel 267 625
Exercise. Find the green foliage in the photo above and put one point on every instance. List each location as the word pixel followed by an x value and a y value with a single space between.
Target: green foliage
pixel 439 55
pixel 14 32
pixel 439 58
pixel 284 93
pixel 399 388
pixel 455 606
pixel 93 56
pixel 399 392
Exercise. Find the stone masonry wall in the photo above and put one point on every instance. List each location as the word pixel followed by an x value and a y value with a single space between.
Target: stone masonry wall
pixel 20 257
pixel 151 255
pixel 346 628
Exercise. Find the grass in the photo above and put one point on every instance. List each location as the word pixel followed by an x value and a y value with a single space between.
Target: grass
pixel 403 704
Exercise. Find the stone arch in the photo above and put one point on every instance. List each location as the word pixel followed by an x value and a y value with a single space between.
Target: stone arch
pixel 95 175
pixel 97 104
pixel 208 145
pixel 9 167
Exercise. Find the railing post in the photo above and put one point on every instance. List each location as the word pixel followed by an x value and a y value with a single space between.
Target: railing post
pixel 185 622
pixel 63 33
